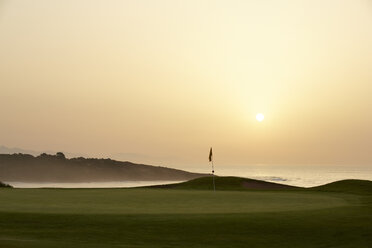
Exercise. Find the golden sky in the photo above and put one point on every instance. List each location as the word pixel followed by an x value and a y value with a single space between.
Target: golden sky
pixel 167 79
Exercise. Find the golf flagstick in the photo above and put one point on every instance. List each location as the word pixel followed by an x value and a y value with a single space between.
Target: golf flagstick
pixel 211 160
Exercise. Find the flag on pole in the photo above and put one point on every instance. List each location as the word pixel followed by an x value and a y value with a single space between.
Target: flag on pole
pixel 210 155
pixel 211 160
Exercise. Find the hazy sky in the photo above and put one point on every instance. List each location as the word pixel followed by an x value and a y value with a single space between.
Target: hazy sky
pixel 168 79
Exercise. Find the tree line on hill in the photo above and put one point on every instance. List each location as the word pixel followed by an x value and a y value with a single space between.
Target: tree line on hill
pixel 4 185
pixel 57 168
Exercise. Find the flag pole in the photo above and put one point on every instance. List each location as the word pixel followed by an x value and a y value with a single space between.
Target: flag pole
pixel 214 186
pixel 211 160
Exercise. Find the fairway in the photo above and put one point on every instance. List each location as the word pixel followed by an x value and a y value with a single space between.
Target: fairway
pixel 148 217
pixel 156 201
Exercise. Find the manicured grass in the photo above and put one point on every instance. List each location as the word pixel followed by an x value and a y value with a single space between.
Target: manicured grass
pixel 359 187
pixel 161 201
pixel 183 218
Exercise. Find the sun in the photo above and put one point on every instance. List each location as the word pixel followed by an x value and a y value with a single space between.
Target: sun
pixel 260 117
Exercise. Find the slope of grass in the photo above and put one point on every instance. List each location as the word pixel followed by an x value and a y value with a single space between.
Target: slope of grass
pixel 159 201
pixel 336 227
pixel 227 184
pixel 361 187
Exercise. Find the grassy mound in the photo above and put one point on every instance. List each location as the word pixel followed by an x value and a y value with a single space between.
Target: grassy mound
pixel 4 185
pixel 227 183
pixel 360 187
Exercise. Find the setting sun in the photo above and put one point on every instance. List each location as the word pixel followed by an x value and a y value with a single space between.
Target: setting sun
pixel 260 117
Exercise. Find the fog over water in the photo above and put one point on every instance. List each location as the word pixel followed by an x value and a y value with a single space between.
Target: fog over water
pixel 304 176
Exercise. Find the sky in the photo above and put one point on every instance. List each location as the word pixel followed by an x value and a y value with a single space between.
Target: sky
pixel 162 81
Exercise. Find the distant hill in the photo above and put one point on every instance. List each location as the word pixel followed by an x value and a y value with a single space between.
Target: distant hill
pixel 119 156
pixel 227 183
pixel 14 150
pixel 57 168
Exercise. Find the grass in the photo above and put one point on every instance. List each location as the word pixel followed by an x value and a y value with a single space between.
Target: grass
pixel 360 187
pixel 151 217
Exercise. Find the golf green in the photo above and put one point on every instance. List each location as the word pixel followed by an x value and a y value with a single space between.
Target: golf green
pixel 150 217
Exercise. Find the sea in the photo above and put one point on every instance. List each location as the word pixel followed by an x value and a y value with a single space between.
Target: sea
pixel 303 176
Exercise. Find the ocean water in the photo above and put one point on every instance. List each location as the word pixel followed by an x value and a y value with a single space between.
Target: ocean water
pixel 304 176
